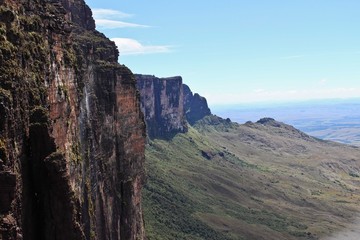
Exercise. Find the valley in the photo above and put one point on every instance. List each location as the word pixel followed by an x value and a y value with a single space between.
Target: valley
pixel 90 150
pixel 262 180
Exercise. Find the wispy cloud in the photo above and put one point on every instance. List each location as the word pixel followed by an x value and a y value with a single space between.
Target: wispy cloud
pixel 112 19
pixel 323 82
pixel 109 19
pixel 259 90
pixel 128 46
pixel 112 24
pixel 109 13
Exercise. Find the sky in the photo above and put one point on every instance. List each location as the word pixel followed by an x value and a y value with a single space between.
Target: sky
pixel 240 51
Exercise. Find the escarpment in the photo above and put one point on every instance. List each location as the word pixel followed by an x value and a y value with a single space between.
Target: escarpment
pixel 162 104
pixel 72 134
pixel 169 105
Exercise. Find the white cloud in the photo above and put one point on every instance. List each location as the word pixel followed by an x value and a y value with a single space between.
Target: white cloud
pixel 111 24
pixel 128 46
pixel 101 13
pixel 323 82
pixel 259 90
pixel 109 19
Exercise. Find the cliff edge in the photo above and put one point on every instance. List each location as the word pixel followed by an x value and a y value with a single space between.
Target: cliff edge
pixel 169 105
pixel 72 134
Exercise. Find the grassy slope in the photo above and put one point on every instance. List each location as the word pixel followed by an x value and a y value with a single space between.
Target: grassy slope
pixel 229 181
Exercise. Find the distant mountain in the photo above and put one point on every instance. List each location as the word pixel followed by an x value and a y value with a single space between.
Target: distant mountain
pixel 169 105
pixel 258 180
pixel 336 120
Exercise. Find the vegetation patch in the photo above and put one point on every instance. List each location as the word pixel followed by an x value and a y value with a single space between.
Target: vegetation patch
pixel 354 174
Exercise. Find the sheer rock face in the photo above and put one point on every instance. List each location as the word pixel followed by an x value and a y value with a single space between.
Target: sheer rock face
pixel 162 104
pixel 72 134
pixel 168 105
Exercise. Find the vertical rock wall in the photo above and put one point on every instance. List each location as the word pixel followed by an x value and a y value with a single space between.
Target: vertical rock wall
pixel 168 105
pixel 162 104
pixel 71 131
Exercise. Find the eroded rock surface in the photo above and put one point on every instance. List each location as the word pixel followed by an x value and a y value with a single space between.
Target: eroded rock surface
pixel 71 131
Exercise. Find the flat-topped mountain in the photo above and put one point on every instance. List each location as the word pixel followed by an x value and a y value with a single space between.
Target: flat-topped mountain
pixel 169 105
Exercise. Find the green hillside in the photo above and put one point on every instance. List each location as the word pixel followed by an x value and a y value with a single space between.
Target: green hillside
pixel 263 180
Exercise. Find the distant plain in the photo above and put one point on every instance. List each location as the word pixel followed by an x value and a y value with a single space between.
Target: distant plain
pixel 336 120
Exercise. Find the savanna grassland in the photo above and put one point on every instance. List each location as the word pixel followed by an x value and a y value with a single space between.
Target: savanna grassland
pixel 335 119
pixel 263 180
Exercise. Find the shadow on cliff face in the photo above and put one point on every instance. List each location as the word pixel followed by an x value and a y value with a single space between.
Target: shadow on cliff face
pixel 48 206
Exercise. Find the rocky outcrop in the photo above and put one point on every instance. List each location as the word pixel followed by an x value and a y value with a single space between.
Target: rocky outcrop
pixel 169 105
pixel 282 129
pixel 195 106
pixel 72 134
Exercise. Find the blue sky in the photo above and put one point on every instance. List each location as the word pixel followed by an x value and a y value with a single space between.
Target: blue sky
pixel 239 51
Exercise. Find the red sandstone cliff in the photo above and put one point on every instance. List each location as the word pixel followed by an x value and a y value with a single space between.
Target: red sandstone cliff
pixel 169 105
pixel 71 130
pixel 162 104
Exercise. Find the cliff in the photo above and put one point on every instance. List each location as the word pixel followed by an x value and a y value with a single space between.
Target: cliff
pixel 71 131
pixel 169 105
